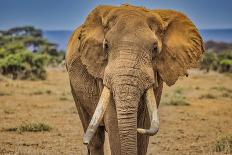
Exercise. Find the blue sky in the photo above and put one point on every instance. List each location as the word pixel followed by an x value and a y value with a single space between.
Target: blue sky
pixel 68 14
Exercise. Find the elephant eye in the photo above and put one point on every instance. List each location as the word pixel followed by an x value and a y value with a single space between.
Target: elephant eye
pixel 154 50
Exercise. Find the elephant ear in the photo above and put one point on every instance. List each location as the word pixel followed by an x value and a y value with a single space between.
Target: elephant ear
pixel 182 46
pixel 91 42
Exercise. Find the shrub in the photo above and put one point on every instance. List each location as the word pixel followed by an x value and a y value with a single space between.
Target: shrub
pixel 24 53
pixel 4 93
pixel 24 65
pixel 221 62
pixel 207 96
pixel 63 98
pixel 40 92
pixel 226 95
pixel 30 127
pixel 222 88
pixel 176 98
pixel 180 101
pixel 209 61
pixel 225 65
pixel 224 145
pixel 225 55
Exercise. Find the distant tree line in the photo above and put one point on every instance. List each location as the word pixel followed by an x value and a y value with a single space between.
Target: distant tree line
pixel 218 57
pixel 217 47
pixel 24 53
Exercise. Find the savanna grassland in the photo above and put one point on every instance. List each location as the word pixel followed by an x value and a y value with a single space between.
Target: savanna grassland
pixel 39 117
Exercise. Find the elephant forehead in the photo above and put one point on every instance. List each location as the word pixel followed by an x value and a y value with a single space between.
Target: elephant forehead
pixel 125 10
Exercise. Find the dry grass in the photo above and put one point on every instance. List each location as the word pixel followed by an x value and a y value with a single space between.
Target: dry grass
pixel 227 95
pixel 176 101
pixel 63 98
pixel 4 93
pixel 217 92
pixel 29 127
pixel 208 96
pixel 40 92
pixel 223 89
pixel 184 129
pixel 224 145
pixel 176 98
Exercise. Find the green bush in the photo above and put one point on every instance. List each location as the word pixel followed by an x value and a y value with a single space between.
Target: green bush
pixel 30 127
pixel 208 96
pixel 224 145
pixel 24 65
pixel 176 98
pixel 24 53
pixel 225 65
pixel 221 62
pixel 209 61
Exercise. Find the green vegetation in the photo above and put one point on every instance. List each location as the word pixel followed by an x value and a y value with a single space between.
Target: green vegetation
pixel 24 53
pixel 37 92
pixel 7 111
pixel 176 98
pixel 48 91
pixel 209 61
pixel 221 91
pixel 224 145
pixel 23 65
pixel 221 88
pixel 226 95
pixel 40 92
pixel 208 96
pixel 63 98
pixel 4 93
pixel 30 127
pixel 225 92
pixel 221 62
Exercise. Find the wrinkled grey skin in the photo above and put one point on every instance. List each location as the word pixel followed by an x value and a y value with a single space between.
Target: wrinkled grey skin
pixel 128 56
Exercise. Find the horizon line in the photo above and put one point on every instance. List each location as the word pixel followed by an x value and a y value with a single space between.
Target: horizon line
pixel 77 26
pixel 198 29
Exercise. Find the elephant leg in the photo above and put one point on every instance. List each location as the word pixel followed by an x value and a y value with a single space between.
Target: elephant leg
pixel 143 122
pixel 96 147
pixel 111 124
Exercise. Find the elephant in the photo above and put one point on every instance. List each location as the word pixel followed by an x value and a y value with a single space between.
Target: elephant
pixel 117 62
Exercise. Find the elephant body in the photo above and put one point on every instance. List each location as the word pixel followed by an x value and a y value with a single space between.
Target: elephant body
pixel 127 50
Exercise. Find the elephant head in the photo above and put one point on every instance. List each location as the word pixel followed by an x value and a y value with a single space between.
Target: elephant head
pixel 129 48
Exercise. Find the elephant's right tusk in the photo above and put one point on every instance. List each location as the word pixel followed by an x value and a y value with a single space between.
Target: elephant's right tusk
pixel 97 116
pixel 153 114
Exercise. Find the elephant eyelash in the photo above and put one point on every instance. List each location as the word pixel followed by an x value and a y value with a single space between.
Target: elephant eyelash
pixel 106 46
pixel 154 50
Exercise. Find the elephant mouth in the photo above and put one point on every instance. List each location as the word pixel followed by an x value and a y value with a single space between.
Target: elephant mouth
pixel 104 102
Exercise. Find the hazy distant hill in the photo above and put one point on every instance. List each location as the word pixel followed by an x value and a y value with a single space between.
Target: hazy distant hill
pixel 220 35
pixel 217 46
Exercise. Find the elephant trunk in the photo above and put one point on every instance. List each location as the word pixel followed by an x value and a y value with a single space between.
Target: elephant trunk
pixel 126 97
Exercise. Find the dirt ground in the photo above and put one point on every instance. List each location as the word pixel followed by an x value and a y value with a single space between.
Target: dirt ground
pixel 185 129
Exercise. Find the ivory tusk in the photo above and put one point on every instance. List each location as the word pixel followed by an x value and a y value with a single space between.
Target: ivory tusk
pixel 97 116
pixel 153 114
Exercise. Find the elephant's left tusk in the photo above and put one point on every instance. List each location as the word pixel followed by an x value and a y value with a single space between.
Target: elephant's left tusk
pixel 97 116
pixel 153 114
